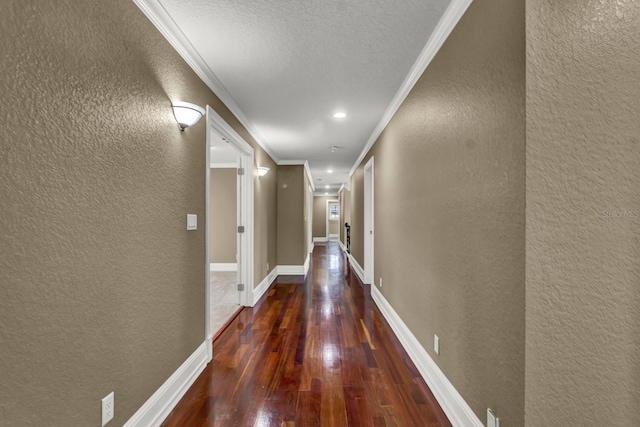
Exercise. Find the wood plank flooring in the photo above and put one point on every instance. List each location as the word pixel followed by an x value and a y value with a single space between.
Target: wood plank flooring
pixel 314 352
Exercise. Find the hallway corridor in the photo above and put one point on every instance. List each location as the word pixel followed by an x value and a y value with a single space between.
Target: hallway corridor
pixel 315 351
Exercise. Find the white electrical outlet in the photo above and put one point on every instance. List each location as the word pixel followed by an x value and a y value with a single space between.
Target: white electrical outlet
pixel 108 408
pixel 436 344
pixel 380 281
pixel 492 420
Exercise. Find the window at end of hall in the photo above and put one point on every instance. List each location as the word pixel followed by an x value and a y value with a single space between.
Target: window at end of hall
pixel 334 212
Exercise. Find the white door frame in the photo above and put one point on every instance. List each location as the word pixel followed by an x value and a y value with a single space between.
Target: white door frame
pixel 327 233
pixel 310 218
pixel 368 222
pixel 216 124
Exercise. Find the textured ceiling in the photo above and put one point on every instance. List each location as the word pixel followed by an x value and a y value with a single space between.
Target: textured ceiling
pixel 289 65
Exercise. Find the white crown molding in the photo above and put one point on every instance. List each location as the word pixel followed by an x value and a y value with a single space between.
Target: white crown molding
pixel 447 23
pixel 290 162
pixel 344 187
pixel 159 16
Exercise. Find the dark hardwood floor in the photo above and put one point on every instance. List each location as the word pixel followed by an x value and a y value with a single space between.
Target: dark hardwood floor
pixel 315 351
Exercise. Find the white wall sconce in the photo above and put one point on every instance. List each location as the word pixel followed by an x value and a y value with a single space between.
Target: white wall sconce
pixel 262 171
pixel 186 114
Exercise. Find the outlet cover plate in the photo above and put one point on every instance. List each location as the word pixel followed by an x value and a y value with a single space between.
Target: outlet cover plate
pixel 492 420
pixel 436 344
pixel 107 408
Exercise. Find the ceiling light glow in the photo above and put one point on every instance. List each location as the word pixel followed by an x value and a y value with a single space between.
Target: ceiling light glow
pixel 329 170
pixel 340 115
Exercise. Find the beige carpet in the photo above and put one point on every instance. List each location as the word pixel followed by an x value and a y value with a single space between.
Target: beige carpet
pixel 225 298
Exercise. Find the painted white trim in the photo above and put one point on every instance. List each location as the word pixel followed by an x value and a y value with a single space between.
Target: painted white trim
pixel 344 187
pixel 264 286
pixel 219 266
pixel 159 16
pixel 452 403
pixel 223 165
pixel 299 162
pixel 320 239
pixel 342 246
pixel 334 237
pixel 327 226
pixel 291 270
pixel 161 403
pixel 308 171
pixel 369 222
pixel 245 202
pixel 291 162
pixel 307 262
pixel 447 23
pixel 309 218
pixel 356 267
pixel 208 333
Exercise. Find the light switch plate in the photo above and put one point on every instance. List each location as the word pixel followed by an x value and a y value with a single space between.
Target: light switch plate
pixel 192 222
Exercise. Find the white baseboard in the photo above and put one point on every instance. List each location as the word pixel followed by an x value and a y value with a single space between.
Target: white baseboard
pixel 291 270
pixel 320 239
pixel 453 405
pixel 342 246
pixel 161 403
pixel 307 262
pixel 356 267
pixel 217 266
pixel 334 237
pixel 264 285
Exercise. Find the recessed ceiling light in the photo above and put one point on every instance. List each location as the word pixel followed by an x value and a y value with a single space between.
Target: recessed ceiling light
pixel 340 115
pixel 329 170
pixel 319 179
pixel 327 186
pixel 326 194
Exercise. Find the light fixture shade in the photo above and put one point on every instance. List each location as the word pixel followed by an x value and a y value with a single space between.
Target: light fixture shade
pixel 262 171
pixel 186 114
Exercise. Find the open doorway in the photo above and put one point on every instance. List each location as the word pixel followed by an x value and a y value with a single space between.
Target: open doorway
pixel 333 219
pixel 229 224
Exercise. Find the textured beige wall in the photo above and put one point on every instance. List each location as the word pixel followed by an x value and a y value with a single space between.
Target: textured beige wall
pixel 583 198
pixel 224 215
pixel 320 215
pixel 291 231
pixel 449 209
pixel 101 286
